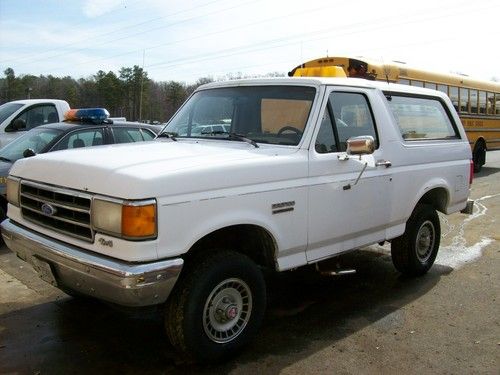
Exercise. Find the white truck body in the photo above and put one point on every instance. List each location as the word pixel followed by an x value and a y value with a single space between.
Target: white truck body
pixel 304 205
pixel 33 111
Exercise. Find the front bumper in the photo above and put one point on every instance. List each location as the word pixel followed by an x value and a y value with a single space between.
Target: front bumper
pixel 70 267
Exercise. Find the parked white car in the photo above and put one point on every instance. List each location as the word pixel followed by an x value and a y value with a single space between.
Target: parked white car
pixel 21 115
pixel 309 169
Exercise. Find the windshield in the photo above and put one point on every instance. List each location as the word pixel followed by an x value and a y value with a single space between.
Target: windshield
pixel 35 139
pixel 7 109
pixel 264 114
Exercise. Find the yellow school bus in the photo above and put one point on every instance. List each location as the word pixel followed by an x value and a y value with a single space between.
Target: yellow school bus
pixel 477 102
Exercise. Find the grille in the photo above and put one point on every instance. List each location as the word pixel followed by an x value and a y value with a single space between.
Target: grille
pixel 61 210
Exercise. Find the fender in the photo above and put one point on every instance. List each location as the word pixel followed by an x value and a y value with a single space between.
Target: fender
pixel 432 184
pixel 196 219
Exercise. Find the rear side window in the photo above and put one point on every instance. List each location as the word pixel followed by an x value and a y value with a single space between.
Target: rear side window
pixel 126 135
pixel 422 118
pixel 81 138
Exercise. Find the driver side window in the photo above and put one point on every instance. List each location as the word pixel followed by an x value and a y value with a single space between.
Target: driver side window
pixel 352 117
pixel 347 115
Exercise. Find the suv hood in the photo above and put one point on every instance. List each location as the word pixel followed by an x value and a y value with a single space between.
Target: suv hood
pixel 163 167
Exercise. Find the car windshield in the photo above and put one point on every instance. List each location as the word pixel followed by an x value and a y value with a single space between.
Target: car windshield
pixel 264 114
pixel 7 109
pixel 35 139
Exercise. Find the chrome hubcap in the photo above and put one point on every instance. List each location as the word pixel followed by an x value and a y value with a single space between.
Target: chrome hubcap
pixel 227 310
pixel 425 241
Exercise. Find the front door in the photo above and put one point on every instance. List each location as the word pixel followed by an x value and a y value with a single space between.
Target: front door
pixel 343 214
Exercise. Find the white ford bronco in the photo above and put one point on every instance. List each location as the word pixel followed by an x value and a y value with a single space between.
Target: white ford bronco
pixel 283 173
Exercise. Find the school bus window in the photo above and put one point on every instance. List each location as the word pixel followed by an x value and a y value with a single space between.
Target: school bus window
pixel 403 81
pixel 464 100
pixel 473 101
pixel 443 88
pixel 482 102
pixel 490 103
pixel 417 83
pixel 454 96
pixel 497 104
pixel 430 85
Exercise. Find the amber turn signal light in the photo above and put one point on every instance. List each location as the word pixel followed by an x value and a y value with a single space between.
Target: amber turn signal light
pixel 139 221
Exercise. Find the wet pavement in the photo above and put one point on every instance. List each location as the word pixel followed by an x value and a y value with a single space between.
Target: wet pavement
pixel 373 321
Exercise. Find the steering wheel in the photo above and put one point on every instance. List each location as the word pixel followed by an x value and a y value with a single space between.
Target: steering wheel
pixel 289 128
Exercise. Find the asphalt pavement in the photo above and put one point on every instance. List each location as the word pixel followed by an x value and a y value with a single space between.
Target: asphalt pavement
pixel 371 322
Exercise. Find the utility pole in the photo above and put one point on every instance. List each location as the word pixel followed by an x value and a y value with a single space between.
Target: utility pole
pixel 142 85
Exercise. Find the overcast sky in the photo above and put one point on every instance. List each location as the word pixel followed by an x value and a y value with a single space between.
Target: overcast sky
pixel 186 40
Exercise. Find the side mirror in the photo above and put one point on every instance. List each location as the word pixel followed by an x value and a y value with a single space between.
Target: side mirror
pixel 362 145
pixel 28 153
pixel 15 125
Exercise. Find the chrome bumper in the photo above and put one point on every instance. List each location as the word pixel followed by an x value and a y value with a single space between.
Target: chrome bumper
pixel 70 267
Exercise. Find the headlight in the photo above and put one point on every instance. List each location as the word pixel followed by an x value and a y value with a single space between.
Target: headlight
pixel 127 219
pixel 13 190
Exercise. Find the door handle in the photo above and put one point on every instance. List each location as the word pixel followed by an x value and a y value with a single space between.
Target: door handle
pixel 385 163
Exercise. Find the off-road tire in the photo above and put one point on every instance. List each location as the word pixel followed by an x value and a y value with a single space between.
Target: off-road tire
pixel 218 275
pixel 414 252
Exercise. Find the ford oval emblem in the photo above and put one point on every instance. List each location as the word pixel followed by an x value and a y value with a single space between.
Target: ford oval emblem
pixel 48 210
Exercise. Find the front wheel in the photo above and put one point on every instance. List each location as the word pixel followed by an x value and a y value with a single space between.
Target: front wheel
pixel 216 306
pixel 414 252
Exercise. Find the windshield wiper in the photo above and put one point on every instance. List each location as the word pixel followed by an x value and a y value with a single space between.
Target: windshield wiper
pixel 170 135
pixel 240 137
pixel 232 136
pixel 5 159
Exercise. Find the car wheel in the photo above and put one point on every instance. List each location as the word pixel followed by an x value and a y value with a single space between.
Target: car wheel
pixel 479 156
pixel 216 306
pixel 414 252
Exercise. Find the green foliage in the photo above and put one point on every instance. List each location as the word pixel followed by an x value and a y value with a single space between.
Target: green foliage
pixel 119 93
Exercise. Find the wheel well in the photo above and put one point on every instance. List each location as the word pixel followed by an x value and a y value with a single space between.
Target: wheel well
pixel 437 198
pixel 251 240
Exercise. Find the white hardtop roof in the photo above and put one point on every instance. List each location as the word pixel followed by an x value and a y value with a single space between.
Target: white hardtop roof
pixel 325 81
pixel 37 101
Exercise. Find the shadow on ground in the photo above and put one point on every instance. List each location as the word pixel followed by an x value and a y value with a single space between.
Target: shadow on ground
pixel 307 312
pixel 486 171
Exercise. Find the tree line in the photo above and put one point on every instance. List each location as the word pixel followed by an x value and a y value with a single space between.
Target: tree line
pixel 129 93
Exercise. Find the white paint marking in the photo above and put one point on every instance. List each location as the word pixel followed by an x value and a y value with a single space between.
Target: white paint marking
pixel 458 253
pixel 455 256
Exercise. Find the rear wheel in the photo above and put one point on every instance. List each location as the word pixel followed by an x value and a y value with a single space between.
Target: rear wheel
pixel 216 307
pixel 414 252
pixel 479 156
